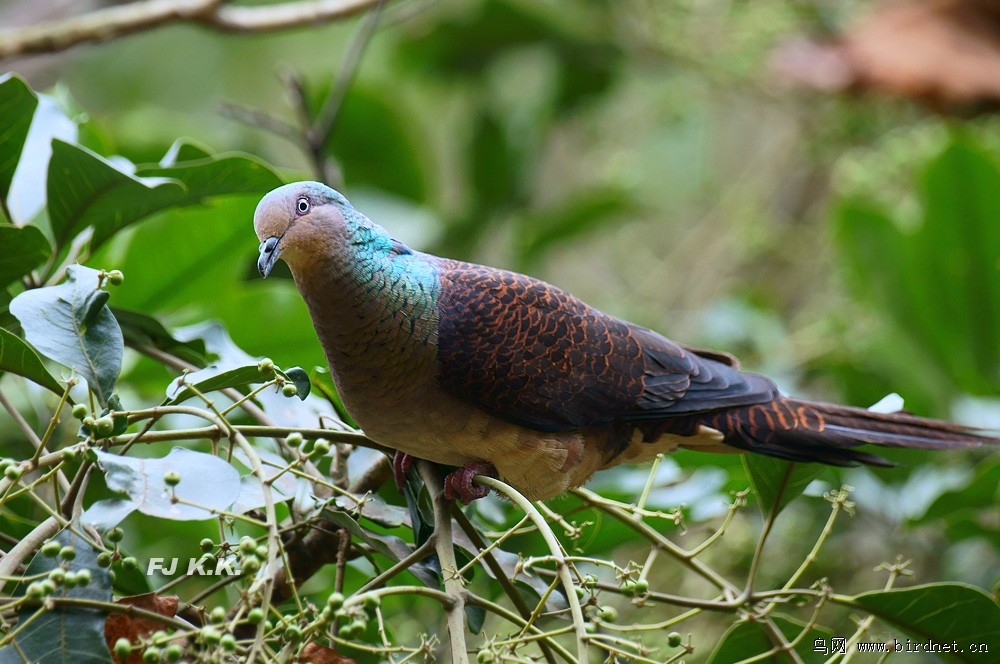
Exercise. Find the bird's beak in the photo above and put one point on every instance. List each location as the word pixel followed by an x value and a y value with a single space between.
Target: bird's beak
pixel 269 251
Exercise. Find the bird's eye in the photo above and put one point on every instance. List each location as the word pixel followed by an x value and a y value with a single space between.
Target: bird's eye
pixel 302 205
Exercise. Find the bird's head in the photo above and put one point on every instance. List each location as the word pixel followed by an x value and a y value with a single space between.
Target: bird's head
pixel 303 220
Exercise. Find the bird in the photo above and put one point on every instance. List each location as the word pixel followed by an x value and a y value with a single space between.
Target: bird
pixel 500 374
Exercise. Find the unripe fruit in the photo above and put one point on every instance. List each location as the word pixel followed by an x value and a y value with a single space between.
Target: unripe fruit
pixel 210 635
pixel 89 423
pixel 294 439
pixel 206 545
pixel 292 633
pixel 358 628
pixel 69 455
pixel 69 579
pixel 250 565
pixel 83 578
pixel 608 613
pixel 104 559
pixel 673 639
pixel 116 535
pixel 218 615
pixel 80 411
pixel 247 545
pixel 484 656
pixel 13 473
pixel 151 655
pixel 261 551
pixel 172 478
pixel 34 590
pixel 228 642
pixel 255 616
pixel 641 587
pixel 335 601
pixel 130 564
pixel 266 366
pixel 289 390
pixel 105 426
pixel 51 548
pixel 122 649
pixel 371 601
pixel 67 553
pixel 47 587
pixel 116 278
pixel 321 447
pixel 174 652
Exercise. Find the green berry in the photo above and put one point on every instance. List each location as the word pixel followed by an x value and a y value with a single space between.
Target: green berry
pixel 628 587
pixel 484 656
pixel 358 628
pixel 80 411
pixel 70 454
pixel 83 578
pixel 47 587
pixel 210 635
pixel 206 545
pixel 371 601
pixel 608 613
pixel 130 564
pixel 250 565
pixel 261 551
pixel 116 535
pixel 89 423
pixel 321 447
pixel 116 278
pixel 174 652
pixel 151 655
pixel 673 639
pixel 6 462
pixel 294 439
pixel 292 633
pixel 51 548
pixel 289 390
pixel 247 545
pixel 266 366
pixel 104 559
pixel 589 581
pixel 335 601
pixel 228 642
pixel 255 616
pixel 67 553
pixel 13 473
pixel 590 628
pixel 641 587
pixel 218 615
pixel 580 592
pixel 69 579
pixel 105 426
pixel 345 632
pixel 122 649
pixel 171 478
pixel 34 590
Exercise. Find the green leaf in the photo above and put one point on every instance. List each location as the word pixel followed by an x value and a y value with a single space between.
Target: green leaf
pixel 140 329
pixel 960 617
pixel 65 635
pixel 23 249
pixel 87 190
pixel 19 358
pixel 211 379
pixel 777 482
pixel 207 483
pixel 474 618
pixel 70 324
pixel 17 106
pixel 749 639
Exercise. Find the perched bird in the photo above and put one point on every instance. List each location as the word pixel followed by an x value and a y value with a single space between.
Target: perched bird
pixel 506 375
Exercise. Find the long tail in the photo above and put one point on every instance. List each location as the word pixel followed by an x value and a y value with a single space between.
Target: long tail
pixel 799 430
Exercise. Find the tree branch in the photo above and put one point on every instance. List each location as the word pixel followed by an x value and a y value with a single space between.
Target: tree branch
pixel 121 20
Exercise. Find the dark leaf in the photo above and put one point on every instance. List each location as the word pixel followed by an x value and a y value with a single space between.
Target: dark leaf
pixel 748 639
pixel 474 618
pixel 17 106
pixel 211 379
pixel 945 613
pixel 140 329
pixel 777 482
pixel 24 249
pixel 55 323
pixel 19 358
pixel 65 635
pixel 300 379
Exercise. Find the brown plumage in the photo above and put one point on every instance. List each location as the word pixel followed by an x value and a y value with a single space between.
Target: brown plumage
pixel 494 371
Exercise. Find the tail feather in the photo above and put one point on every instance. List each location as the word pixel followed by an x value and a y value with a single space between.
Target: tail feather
pixel 806 431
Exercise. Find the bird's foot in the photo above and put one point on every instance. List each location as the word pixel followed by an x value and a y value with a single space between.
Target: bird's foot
pixel 401 464
pixel 458 484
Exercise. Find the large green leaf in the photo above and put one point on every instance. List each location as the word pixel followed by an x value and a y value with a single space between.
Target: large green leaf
pixel 140 329
pixel 84 189
pixel 24 249
pixel 777 482
pixel 65 635
pixel 962 619
pixel 980 492
pixel 71 324
pixel 938 282
pixel 748 639
pixel 18 357
pixel 211 379
pixel 17 105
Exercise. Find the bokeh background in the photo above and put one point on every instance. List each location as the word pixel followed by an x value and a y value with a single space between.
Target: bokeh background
pixel 754 177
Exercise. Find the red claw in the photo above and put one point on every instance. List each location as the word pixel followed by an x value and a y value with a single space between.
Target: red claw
pixel 401 464
pixel 458 484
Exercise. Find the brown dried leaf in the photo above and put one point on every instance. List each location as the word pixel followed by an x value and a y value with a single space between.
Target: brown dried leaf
pixel 314 653
pixel 122 626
